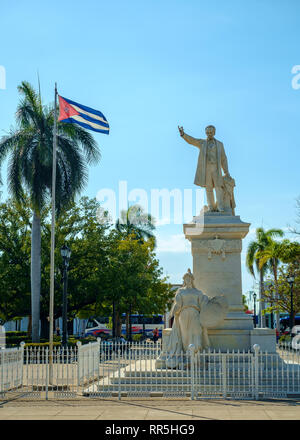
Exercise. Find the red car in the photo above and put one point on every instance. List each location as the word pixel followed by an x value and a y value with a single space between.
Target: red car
pixel 99 332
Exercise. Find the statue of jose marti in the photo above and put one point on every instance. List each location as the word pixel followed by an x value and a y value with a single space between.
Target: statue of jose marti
pixel 211 161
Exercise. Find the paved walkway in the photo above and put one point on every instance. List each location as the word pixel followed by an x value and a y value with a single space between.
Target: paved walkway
pixel 150 409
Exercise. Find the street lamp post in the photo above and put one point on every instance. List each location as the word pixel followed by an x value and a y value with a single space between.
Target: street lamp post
pixel 291 279
pixel 254 299
pixel 65 253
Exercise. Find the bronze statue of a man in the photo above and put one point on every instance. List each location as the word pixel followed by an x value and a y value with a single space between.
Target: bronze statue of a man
pixel 212 159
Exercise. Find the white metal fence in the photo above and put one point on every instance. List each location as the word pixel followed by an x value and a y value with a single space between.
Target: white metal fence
pixel 88 358
pixel 104 369
pixel 11 369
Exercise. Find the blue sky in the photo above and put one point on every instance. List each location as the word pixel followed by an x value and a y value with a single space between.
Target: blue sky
pixel 149 66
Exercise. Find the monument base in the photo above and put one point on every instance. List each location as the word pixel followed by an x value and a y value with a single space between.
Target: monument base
pixel 230 339
pixel 242 340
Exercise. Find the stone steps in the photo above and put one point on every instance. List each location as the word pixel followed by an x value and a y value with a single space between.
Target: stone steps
pixel 236 372
pixel 143 377
pixel 217 387
pixel 185 380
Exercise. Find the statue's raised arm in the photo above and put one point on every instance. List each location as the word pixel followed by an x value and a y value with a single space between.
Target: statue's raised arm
pixel 190 139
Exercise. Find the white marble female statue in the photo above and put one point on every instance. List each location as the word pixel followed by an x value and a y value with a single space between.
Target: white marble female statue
pixel 193 313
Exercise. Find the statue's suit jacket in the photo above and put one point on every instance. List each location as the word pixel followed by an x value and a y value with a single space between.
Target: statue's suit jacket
pixel 200 176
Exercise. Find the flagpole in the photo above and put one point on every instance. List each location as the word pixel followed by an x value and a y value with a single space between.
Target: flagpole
pixel 51 304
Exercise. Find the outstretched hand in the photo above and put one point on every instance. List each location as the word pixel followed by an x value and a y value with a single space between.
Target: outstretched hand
pixel 181 131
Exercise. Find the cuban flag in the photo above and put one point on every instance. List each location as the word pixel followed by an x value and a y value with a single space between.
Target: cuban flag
pixel 74 113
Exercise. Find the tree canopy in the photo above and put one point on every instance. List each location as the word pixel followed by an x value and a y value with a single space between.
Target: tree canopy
pixel 105 265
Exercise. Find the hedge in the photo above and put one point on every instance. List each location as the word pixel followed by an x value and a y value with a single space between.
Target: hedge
pixel 56 343
pixel 15 333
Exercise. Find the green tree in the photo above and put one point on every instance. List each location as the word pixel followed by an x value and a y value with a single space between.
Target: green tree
pixel 270 257
pixel 14 260
pixel 254 251
pixel 135 279
pixel 29 149
pixel 103 265
pixel 290 252
pixel 89 241
pixel 283 299
pixel 136 223
pixel 278 291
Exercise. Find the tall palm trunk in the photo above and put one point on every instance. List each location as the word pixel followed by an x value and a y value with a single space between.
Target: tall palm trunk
pixel 35 275
pixel 262 301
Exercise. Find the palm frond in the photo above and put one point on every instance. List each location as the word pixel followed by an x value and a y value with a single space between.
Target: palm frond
pixel 30 149
pixel 275 233
pixel 29 110
pixel 84 139
pixel 250 256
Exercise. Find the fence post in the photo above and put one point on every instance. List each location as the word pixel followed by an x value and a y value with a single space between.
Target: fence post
pixel 119 373
pixel 22 345
pixel 224 376
pixel 256 349
pixel 78 363
pixel 2 358
pixel 47 371
pixel 192 357
pixel 98 357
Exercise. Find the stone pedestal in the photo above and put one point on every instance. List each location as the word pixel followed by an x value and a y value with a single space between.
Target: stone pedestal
pixel 216 242
pixel 232 340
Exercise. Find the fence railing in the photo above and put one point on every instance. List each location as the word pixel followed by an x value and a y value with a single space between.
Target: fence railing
pixel 104 369
pixel 88 358
pixel 11 368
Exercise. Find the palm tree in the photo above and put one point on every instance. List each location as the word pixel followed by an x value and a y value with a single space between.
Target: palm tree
pixel 271 256
pixel 140 225
pixel 29 150
pixel 135 221
pixel 254 253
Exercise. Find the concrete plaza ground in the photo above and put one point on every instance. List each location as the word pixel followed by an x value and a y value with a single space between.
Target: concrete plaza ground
pixel 149 409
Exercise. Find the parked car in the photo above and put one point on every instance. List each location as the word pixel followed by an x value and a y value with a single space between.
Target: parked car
pixel 98 333
pixel 285 324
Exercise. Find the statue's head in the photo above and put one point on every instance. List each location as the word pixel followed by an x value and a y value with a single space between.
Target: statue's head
pixel 210 131
pixel 188 279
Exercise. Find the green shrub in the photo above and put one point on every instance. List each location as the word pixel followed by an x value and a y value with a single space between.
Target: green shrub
pixel 41 344
pixel 15 333
pixel 15 341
